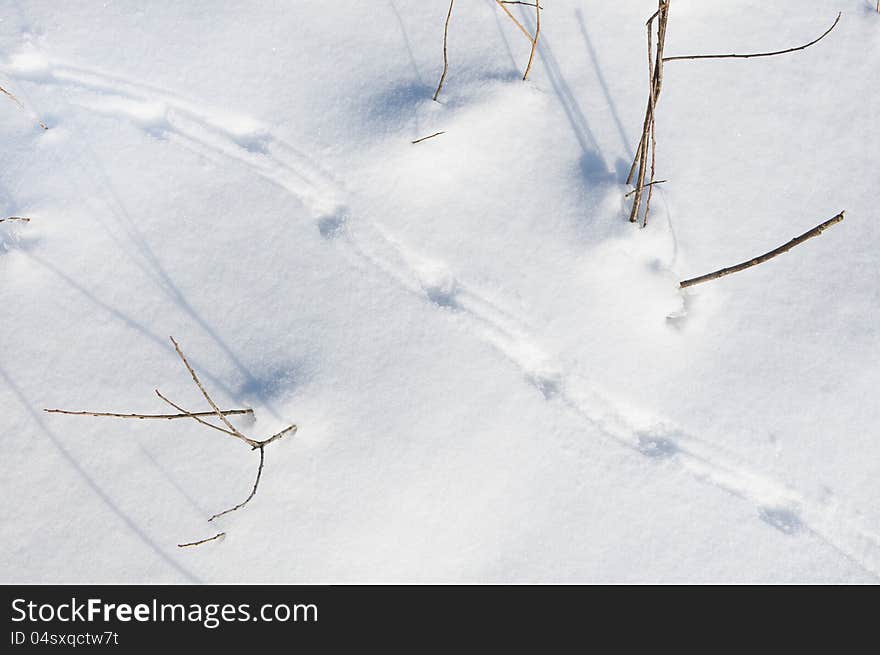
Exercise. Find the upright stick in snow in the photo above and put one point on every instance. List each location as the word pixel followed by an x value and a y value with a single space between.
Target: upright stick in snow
pixel 445 57
pixel 532 39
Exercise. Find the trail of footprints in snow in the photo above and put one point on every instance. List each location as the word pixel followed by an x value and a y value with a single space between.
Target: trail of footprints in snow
pixel 256 147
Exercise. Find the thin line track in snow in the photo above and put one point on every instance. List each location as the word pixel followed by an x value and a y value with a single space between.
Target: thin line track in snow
pixel 256 147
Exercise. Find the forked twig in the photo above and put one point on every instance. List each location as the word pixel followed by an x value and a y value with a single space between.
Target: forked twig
pixel 445 57
pixel 532 39
pixel 200 417
pixel 761 54
pixel 21 106
pixel 219 535
pixel 816 231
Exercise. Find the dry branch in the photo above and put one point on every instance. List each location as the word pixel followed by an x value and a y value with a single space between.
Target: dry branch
pixel 648 140
pixel 425 138
pixel 21 106
pixel 219 535
pixel 533 40
pixel 816 231
pixel 227 412
pixel 445 57
pixel 201 418
pixel 16 218
pixel 760 54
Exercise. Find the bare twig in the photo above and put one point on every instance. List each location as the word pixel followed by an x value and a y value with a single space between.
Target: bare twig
pixel 445 58
pixel 513 18
pixel 227 412
pixel 213 405
pixel 425 138
pixel 816 231
pixel 761 54
pixel 16 218
pixel 21 106
pixel 189 414
pixel 253 491
pixel 200 418
pixel 648 141
pixel 519 2
pixel 219 535
pixel 534 40
pixel 647 185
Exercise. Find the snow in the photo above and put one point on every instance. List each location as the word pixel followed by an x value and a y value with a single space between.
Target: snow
pixel 495 376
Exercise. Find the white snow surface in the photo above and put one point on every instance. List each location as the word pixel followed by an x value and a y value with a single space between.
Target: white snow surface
pixel 495 376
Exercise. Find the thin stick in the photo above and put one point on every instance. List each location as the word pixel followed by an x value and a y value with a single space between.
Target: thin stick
pixel 213 405
pixel 647 185
pixel 21 106
pixel 16 218
pixel 227 412
pixel 425 138
pixel 513 18
pixel 445 58
pixel 816 231
pixel 253 491
pixel 275 437
pixel 219 535
pixel 189 414
pixel 534 40
pixel 761 54
pixel 518 2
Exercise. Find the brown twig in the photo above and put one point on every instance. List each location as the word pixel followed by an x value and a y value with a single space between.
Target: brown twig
pixel 761 54
pixel 519 2
pixel 425 138
pixel 647 185
pixel 219 535
pixel 198 417
pixel 445 57
pixel 227 412
pixel 213 405
pixel 816 231
pixel 16 218
pixel 513 18
pixel 534 40
pixel 253 491
pixel 21 106
pixel 648 142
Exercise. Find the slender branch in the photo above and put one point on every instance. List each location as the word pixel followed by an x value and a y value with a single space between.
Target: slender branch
pixel 646 185
pixel 275 437
pixel 219 535
pixel 16 218
pixel 445 57
pixel 185 414
pixel 213 405
pixel 21 106
pixel 534 40
pixel 253 491
pixel 519 2
pixel 816 231
pixel 760 54
pixel 189 414
pixel 513 18
pixel 425 138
